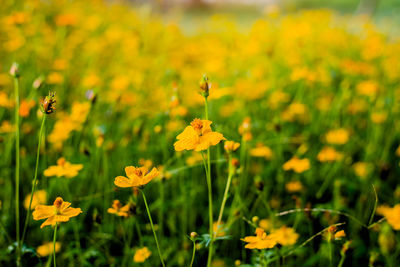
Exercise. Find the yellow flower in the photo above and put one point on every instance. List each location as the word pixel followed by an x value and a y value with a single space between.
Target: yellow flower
pixel 260 241
pixel 398 151
pixel 294 186
pixel 392 215
pixel 118 209
pixel 63 168
pixel 136 177
pixel 337 137
pixel 261 151
pixel 340 234
pixel 39 197
pixel 142 254
pixel 362 169
pixel 297 165
pixel 245 129
pixel 329 154
pixel 60 211
pixel 285 236
pixel 47 248
pixel 230 146
pixel 198 136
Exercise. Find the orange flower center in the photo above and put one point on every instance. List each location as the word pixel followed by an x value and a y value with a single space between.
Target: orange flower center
pixel 197 125
pixel 139 172
pixel 117 204
pixel 58 202
pixel 61 161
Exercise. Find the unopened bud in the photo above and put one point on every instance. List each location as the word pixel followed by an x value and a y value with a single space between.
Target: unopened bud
pixel 193 235
pixel 14 71
pixel 204 86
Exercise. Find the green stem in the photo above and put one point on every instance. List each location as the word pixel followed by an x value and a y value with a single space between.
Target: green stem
pixel 330 253
pixel 342 260
pixel 193 254
pixel 152 228
pixel 210 208
pixel 34 179
pixel 54 245
pixel 16 88
pixel 225 197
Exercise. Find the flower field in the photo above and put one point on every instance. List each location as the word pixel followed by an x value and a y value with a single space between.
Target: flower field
pixel 128 139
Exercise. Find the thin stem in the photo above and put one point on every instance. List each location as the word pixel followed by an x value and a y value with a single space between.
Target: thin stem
pixel 54 245
pixel 152 228
pixel 34 179
pixel 342 260
pixel 375 205
pixel 210 207
pixel 330 253
pixel 193 254
pixel 225 197
pixel 16 88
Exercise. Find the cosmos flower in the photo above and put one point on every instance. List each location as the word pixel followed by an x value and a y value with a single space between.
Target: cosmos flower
pixel 118 209
pixel 136 177
pixel 142 254
pixel 231 146
pixel 198 136
pixel 39 197
pixel 260 241
pixel 297 165
pixel 60 211
pixel 47 248
pixel 63 168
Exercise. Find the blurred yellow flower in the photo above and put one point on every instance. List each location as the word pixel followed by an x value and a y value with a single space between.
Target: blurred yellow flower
pixel 63 169
pixel 39 197
pixel 261 151
pixel 260 241
pixel 294 186
pixel 337 137
pixel 392 215
pixel 329 154
pixel 297 165
pixel 231 146
pixel 142 254
pixel 47 248
pixel 285 236
pixel 118 209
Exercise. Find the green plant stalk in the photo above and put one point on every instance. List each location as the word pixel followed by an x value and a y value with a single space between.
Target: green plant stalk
pixel 34 179
pixel 152 228
pixel 193 253
pixel 16 88
pixel 210 206
pixel 54 245
pixel 225 197
pixel 375 205
pixel 342 259
pixel 330 251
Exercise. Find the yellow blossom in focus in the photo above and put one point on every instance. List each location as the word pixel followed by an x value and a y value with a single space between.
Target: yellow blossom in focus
pixel 136 177
pixel 142 254
pixel 60 211
pixel 198 136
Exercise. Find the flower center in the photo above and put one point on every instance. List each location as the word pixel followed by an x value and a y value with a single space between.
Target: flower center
pixel 58 202
pixel 117 204
pixel 139 172
pixel 197 125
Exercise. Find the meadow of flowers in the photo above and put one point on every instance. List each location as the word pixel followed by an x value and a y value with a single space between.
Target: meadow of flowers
pixel 126 140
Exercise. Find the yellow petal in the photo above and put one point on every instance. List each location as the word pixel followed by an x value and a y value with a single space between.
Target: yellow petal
pixel 43 212
pixel 122 181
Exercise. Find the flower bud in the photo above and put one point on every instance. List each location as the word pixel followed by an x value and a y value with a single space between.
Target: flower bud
pixel 193 235
pixel 204 86
pixel 49 103
pixel 14 71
